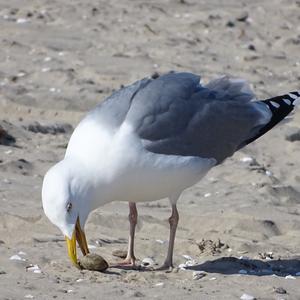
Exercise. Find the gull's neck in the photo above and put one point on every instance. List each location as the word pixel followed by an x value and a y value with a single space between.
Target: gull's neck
pixel 87 184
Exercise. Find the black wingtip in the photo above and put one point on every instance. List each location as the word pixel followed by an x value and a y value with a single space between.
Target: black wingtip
pixel 280 107
pixel 281 104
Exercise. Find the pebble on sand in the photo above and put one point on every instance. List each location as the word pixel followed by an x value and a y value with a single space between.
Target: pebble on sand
pixel 93 262
pixel 242 17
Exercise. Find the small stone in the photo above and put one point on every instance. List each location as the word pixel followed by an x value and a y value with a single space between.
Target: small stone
pixel 230 24
pixel 280 290
pixel 247 297
pixel 93 262
pixel 2 272
pixel 242 17
pixel 251 47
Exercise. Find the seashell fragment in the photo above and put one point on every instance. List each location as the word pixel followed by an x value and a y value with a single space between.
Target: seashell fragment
pixel 290 277
pixel 198 275
pixel 17 257
pixel 34 269
pixel 187 257
pixel 147 262
pixel 247 297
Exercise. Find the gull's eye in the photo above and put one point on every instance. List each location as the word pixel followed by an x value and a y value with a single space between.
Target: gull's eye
pixel 69 206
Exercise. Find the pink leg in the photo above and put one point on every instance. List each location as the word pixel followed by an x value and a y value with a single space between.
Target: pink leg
pixel 130 258
pixel 173 221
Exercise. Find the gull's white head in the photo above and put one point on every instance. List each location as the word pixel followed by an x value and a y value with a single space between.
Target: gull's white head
pixel 65 198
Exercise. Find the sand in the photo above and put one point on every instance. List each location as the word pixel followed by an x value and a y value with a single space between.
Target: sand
pixel 240 225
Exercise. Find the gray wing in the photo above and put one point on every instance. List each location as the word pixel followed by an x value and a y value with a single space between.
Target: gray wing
pixel 175 115
pixel 113 110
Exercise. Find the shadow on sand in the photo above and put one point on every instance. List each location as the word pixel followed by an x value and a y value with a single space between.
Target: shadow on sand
pixel 233 265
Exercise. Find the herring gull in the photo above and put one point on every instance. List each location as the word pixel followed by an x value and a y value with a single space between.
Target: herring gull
pixel 152 140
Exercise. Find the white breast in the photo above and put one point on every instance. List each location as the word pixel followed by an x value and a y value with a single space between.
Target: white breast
pixel 124 171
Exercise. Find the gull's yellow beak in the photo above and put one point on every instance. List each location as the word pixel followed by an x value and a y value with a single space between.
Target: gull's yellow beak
pixel 78 235
pixel 71 245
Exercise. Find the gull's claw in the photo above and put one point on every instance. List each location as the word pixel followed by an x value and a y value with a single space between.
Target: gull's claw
pixel 165 267
pixel 129 263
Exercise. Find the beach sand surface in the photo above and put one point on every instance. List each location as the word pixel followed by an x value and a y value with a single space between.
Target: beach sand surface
pixel 240 225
